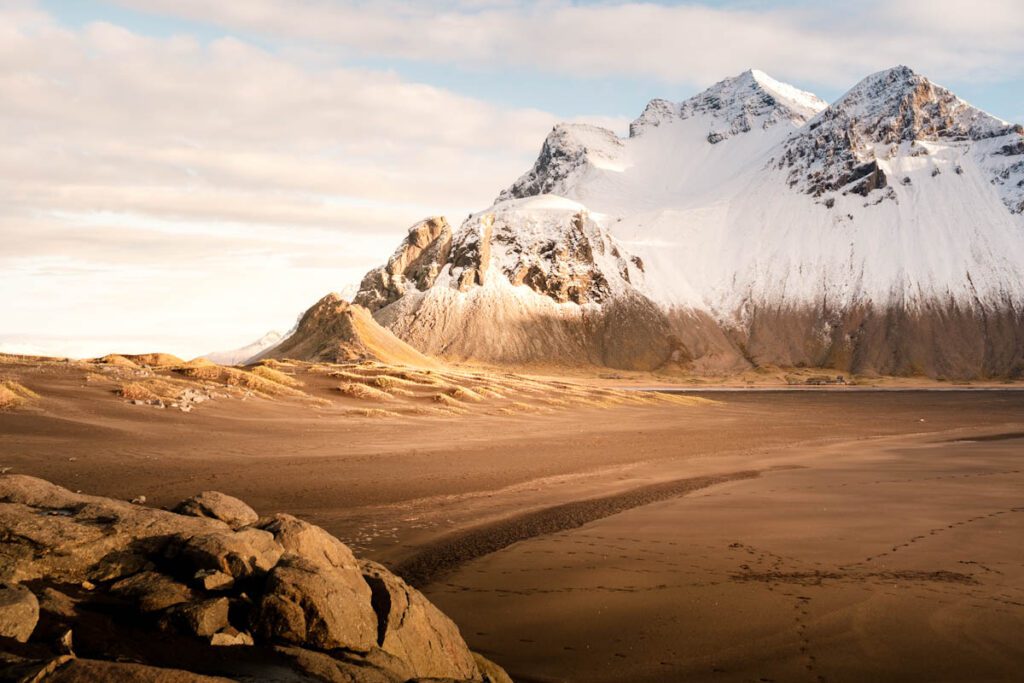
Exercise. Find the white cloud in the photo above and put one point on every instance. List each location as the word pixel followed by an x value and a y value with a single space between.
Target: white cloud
pixel 211 191
pixel 819 43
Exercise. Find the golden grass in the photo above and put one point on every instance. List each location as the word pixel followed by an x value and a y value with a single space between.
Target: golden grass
pixel 464 394
pixel 234 377
pixel 445 400
pixel 9 399
pixel 275 376
pixel 363 392
pixel 155 359
pixel 371 412
pixel 136 391
pixel 13 394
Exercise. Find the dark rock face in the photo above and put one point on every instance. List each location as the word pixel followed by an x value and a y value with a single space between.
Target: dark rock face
pixel 471 254
pixel 561 266
pixel 135 586
pixel 564 152
pixel 415 265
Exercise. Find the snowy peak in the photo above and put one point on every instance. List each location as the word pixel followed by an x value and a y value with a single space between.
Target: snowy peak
pixel 568 149
pixel 897 121
pixel 577 159
pixel 739 104
pixel 900 105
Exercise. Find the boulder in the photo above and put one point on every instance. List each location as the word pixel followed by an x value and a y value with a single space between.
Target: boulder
pixel 97 671
pixel 375 666
pixel 19 612
pixel 52 601
pixel 217 505
pixel 306 603
pixel 85 537
pixel 316 611
pixel 310 542
pixel 491 672
pixel 415 631
pixel 213 580
pixel 231 637
pixel 152 591
pixel 239 554
pixel 203 618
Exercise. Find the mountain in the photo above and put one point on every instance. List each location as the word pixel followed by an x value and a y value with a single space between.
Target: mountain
pixel 336 331
pixel 243 354
pixel 750 225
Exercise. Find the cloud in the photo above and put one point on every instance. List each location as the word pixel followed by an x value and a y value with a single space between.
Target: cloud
pixel 691 43
pixel 215 189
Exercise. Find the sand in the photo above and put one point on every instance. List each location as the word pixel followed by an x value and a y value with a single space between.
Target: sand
pixel 810 535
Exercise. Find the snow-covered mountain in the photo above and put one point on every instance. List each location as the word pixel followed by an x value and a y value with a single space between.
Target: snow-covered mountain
pixel 749 225
pixel 241 355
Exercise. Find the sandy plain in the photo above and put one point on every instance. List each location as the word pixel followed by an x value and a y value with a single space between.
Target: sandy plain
pixel 829 535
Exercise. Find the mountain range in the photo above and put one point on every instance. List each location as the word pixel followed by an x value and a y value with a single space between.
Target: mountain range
pixel 751 225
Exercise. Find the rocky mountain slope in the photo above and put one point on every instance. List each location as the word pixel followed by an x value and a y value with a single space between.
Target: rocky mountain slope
pixel 104 590
pixel 750 225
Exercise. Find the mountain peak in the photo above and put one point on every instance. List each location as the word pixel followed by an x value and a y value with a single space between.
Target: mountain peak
pixel 735 105
pixel 568 148
pixel 901 105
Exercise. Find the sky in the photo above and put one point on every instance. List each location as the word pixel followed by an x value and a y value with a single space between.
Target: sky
pixel 185 175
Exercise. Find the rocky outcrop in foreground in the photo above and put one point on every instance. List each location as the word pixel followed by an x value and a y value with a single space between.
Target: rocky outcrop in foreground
pixel 95 589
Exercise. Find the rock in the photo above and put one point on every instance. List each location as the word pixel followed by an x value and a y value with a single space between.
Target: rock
pixel 213 580
pixel 138 500
pixel 491 672
pixel 52 601
pixel 231 637
pixel 86 538
pixel 239 554
pixel 66 643
pixel 412 629
pixel 152 591
pixel 96 671
pixel 375 667
pixel 310 542
pixel 217 505
pixel 201 618
pixel 306 603
pixel 288 581
pixel 416 263
pixel 19 612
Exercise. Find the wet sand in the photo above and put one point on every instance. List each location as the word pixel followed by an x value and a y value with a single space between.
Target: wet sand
pixel 885 561
pixel 752 539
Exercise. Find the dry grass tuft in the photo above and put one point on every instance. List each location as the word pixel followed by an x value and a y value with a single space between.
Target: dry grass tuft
pixel 155 359
pixel 445 400
pixel 13 394
pixel 371 412
pixel 464 394
pixel 363 392
pixel 383 382
pixel 9 399
pixel 233 377
pixel 135 391
pixel 275 376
